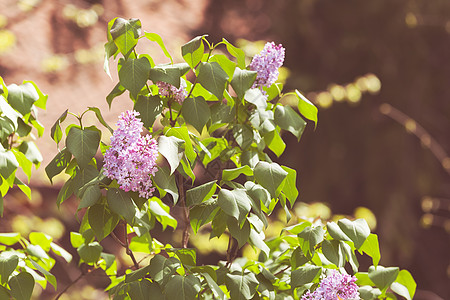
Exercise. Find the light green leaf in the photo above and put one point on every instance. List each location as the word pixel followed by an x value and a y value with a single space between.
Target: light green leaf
pixel 156 38
pixel 156 207
pixel 110 50
pixel 182 287
pixel 306 108
pixel 290 185
pixel 289 120
pixel 149 107
pixel 230 174
pixel 227 65
pixel 257 240
pixel 101 221
pixel 254 96
pixel 235 203
pixel 49 276
pixel 213 78
pixel 187 256
pixel 8 263
pixel 236 52
pixel 90 253
pixel 165 181
pixel 196 112
pixel 242 285
pixel 274 141
pixel 121 203
pixel 8 163
pixel 21 286
pixel 192 51
pixel 404 285
pixel 10 239
pixel 133 74
pixel 83 144
pixel 217 291
pixel 183 134
pixel 125 34
pixel 41 239
pixel 304 275
pixel 171 148
pixel 310 237
pixel 9 112
pixel 200 193
pixel 42 101
pixel 271 176
pixel 61 252
pixel 383 277
pixel 357 230
pixel 372 248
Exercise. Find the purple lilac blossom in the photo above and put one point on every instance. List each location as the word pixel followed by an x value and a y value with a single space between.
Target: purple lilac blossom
pixel 168 90
pixel 334 285
pixel 131 159
pixel 266 64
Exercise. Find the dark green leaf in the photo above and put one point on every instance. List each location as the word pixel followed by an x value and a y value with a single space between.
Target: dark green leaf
pixel 298 258
pixel 101 221
pixel 8 163
pixel 125 34
pixel 133 74
pixel 137 274
pixel 117 91
pixel 192 51
pixel 242 285
pixel 8 263
pixel 83 144
pixel 230 174
pixel 241 234
pixel 145 290
pixel 90 253
pixel 202 213
pixel 196 112
pixel 336 232
pixel 188 257
pixel 227 65
pixel 257 240
pixel 90 195
pixel 271 176
pixel 383 277
pixel 289 120
pixel 304 275
pixel 6 128
pixel 162 268
pixel 367 292
pixel 149 107
pixel 31 152
pixel 4 292
pixel 121 203
pixel 235 203
pixel 333 252
pixel 22 97
pixel 258 193
pixel 218 224
pixel 243 135
pixel 99 116
pixel 200 193
pixel 290 185
pixel 165 181
pixel 182 287
pixel 21 286
pixel 166 73
pixel 218 293
pixel 357 230
pixel 213 78
pixel 310 237
pixel 55 132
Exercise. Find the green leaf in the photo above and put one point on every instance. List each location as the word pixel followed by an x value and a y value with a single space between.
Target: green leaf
pixel 42 101
pixel 273 91
pixel 6 128
pixel 161 211
pixel 236 52
pixel 404 285
pixel 31 152
pixel 196 112
pixel 41 239
pixel 235 203
pixel 213 78
pixel 241 234
pixel 8 163
pixel 310 237
pixel 289 120
pixel 21 286
pixel 290 185
pixel 304 275
pixel 333 252
pixel 202 213
pixel 217 292
pixel 4 293
pixel 182 287
pixel 372 248
pixel 257 240
pixel 271 176
pixel 193 50
pixel 137 274
pixel 9 112
pixel 55 131
pixel 243 135
pixel 24 163
pixel 357 230
pixel 133 74
pixel 65 192
pixel 258 193
pixel 145 290
pixel 125 34
pixel 183 134
pixel 242 285
pixel 83 144
pixel 274 142
pixel 188 257
pixel 61 252
pixel 165 181
pixel 76 239
pixel 171 148
pixel 22 97
pixel 9 239
pixel 350 256
pixel 90 253
pixel 156 38
pixel 306 108
pixel 218 224
pixel 8 263
pixel 367 292
pixel 99 116
pixel 200 193
pixel 149 107
pixel 117 91
pixel 230 174
pixel 121 203
pixel 101 221
pixel 167 73
pixel 227 65
pixel 336 232
pixel 162 268
pixel 256 97
pixel 383 277
pixel 49 276
pixel 91 194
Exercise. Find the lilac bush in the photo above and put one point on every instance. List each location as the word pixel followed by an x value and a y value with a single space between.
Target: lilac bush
pixel 267 63
pixel 334 285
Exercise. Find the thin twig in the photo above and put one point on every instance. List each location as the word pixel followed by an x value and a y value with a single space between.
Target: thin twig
pixel 128 250
pixel 69 285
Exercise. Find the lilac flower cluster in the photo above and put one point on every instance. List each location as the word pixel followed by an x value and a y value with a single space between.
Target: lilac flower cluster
pixel 168 90
pixel 131 159
pixel 334 285
pixel 266 64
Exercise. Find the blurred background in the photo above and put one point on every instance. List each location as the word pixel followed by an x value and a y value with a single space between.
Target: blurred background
pixel 379 71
